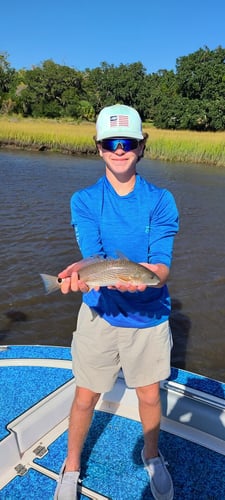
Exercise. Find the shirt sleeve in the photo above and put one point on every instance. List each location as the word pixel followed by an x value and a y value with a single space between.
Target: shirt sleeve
pixel 164 225
pixel 86 227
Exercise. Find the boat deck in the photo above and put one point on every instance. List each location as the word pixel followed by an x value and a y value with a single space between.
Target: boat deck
pixel 35 380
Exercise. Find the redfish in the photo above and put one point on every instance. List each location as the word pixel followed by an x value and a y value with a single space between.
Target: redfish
pixel 106 272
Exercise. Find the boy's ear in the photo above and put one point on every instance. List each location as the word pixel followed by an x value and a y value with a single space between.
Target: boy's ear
pixel 98 146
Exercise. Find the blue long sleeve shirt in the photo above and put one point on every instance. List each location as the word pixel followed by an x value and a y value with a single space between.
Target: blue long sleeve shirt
pixel 141 225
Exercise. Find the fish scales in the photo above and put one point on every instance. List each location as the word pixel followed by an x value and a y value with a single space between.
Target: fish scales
pixel 97 272
pixel 109 272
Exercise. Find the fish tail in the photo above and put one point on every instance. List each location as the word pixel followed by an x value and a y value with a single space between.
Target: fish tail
pixel 51 283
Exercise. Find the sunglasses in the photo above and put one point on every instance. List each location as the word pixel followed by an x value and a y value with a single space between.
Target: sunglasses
pixel 125 143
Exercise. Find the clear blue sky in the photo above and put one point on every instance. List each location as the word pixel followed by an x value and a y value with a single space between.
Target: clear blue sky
pixel 83 33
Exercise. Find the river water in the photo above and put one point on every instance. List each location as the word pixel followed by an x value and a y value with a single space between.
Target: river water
pixel 36 237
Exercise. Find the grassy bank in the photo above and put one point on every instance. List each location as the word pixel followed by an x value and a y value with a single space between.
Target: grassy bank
pixel 72 138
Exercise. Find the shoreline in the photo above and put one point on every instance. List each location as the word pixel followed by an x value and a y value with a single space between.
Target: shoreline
pixel 13 146
pixel 77 139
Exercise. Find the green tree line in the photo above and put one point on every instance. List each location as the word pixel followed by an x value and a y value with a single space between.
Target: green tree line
pixel 191 97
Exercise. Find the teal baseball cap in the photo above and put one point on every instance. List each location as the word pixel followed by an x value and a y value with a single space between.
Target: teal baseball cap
pixel 118 120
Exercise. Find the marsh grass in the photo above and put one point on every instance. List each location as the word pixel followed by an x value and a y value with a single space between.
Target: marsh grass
pixel 48 134
pixel 187 146
pixel 74 138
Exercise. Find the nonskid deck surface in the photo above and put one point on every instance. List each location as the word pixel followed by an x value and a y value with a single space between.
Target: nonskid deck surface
pixel 63 354
pixel 111 463
pixel 16 384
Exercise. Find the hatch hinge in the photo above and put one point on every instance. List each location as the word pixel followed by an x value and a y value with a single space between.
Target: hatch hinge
pixel 21 469
pixel 40 451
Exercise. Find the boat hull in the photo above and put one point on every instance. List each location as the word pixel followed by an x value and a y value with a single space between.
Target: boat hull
pixel 33 442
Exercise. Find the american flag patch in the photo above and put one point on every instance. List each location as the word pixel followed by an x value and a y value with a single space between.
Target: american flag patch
pixel 119 121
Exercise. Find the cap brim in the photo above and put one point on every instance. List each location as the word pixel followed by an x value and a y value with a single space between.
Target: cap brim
pixel 108 134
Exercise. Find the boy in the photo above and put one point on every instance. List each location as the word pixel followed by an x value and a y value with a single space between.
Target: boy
pixel 123 326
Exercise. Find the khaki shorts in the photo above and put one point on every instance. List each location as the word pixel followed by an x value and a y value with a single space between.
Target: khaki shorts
pixel 100 350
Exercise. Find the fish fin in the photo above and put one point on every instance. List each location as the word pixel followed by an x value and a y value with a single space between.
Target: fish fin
pixel 121 255
pixel 86 262
pixel 124 279
pixel 51 283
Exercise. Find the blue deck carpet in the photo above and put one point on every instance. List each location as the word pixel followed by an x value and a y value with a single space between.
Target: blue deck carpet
pixel 111 462
pixel 116 469
pixel 21 389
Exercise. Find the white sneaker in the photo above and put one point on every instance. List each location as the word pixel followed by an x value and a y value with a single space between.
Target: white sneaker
pixel 67 485
pixel 160 480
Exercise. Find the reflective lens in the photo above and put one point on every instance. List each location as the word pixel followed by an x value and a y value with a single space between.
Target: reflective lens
pixel 124 143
